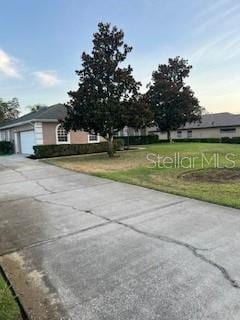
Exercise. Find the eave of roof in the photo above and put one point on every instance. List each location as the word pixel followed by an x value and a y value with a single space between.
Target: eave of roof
pixel 209 127
pixel 47 114
pixel 18 124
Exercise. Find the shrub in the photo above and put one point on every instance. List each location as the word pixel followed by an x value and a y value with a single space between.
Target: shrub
pixel 230 140
pixel 135 140
pixel 226 140
pixel 6 147
pixel 58 150
pixel 235 140
pixel 207 140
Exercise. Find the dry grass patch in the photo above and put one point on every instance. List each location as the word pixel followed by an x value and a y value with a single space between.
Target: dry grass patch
pixel 220 186
pixel 92 164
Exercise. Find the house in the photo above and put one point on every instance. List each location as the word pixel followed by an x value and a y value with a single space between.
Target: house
pixel 212 125
pixel 128 131
pixel 42 127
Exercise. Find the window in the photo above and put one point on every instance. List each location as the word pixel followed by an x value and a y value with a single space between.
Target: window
pixel 228 130
pixel 93 138
pixel 3 135
pixel 179 134
pixel 61 135
pixel 189 134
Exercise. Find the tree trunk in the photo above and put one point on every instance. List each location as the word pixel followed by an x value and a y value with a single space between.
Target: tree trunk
pixel 169 138
pixel 110 145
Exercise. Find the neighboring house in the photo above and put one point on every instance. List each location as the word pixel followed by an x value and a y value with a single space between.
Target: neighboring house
pixel 40 128
pixel 127 131
pixel 215 125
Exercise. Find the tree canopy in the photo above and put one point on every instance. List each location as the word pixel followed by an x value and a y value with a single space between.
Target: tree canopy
pixel 137 113
pixel 36 107
pixel 106 90
pixel 9 110
pixel 172 102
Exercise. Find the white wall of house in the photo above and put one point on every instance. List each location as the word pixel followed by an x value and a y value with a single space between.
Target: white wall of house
pixel 128 131
pixel 17 142
pixel 207 133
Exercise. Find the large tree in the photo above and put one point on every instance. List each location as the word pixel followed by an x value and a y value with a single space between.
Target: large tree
pixel 137 113
pixel 106 89
pixel 173 102
pixel 9 110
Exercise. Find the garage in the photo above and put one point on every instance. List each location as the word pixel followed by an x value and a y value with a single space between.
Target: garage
pixel 27 141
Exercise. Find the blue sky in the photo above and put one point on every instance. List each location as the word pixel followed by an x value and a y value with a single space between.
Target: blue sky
pixel 41 43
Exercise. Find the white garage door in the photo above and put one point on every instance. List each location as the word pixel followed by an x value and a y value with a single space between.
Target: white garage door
pixel 27 139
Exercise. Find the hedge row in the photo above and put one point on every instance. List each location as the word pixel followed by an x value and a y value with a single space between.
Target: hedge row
pixel 211 140
pixel 6 147
pixel 48 151
pixel 207 140
pixel 230 140
pixel 135 140
pixel 58 150
pixel 138 140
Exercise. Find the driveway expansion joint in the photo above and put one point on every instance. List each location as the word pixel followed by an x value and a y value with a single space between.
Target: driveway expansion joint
pixel 51 240
pixel 67 190
pixel 194 250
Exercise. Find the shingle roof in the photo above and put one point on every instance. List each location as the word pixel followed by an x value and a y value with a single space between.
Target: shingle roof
pixel 54 112
pixel 213 120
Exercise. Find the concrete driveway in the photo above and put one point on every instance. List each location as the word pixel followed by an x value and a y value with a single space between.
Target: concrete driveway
pixel 84 248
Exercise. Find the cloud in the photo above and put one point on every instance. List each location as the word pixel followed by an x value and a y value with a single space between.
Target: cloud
pixel 212 8
pixel 219 18
pixel 219 48
pixel 47 78
pixel 8 65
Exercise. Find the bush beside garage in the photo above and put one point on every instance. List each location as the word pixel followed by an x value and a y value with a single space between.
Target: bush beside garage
pixel 50 151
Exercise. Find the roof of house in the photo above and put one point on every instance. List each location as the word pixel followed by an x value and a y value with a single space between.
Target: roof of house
pixel 215 120
pixel 53 113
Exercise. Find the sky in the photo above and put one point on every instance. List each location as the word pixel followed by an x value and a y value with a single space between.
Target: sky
pixel 41 43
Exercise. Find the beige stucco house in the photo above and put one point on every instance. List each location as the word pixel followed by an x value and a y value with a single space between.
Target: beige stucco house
pixel 40 128
pixel 214 125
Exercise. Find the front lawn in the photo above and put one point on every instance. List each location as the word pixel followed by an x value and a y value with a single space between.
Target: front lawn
pixel 9 309
pixel 195 170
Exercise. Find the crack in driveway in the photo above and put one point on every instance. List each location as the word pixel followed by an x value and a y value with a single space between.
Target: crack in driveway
pixel 194 250
pixel 43 187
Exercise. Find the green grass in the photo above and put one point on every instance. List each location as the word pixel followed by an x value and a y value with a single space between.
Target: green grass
pixel 9 309
pixel 221 186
